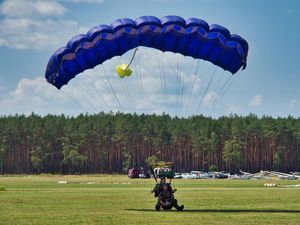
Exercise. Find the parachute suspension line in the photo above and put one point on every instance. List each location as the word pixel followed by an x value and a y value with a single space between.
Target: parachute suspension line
pixel 137 80
pixel 115 97
pixel 193 85
pixel 231 80
pixel 108 90
pixel 74 100
pixel 206 90
pixel 180 70
pixel 165 85
pixel 189 64
pixel 178 84
pixel 127 90
pixel 82 96
pixel 193 61
pixel 138 83
pixel 97 91
pixel 220 90
pixel 140 78
pixel 123 80
pixel 184 64
pixel 107 85
pixel 86 94
pixel 162 84
pixel 165 88
pixel 227 85
pixel 216 90
pixel 132 58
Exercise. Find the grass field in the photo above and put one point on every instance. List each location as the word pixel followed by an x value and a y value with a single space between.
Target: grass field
pixel 115 199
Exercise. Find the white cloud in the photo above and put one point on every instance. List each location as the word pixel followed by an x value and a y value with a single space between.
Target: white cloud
pixel 210 98
pixel 2 42
pixel 38 96
pixel 34 25
pixel 31 8
pixel 26 33
pixel 31 96
pixel 256 101
pixel 292 103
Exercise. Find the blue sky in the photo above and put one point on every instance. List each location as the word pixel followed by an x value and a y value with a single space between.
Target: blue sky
pixel 31 30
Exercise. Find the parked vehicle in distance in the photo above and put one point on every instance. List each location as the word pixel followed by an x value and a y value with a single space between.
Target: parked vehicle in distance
pixel 178 176
pixel 134 173
pixel 205 175
pixel 240 177
pixel 144 175
pixel 221 176
pixel 195 174
pixel 189 176
pixel 185 176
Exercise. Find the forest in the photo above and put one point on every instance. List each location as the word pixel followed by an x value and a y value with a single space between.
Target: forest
pixel 115 142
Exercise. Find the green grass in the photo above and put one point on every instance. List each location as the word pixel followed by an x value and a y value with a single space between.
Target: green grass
pixel 105 199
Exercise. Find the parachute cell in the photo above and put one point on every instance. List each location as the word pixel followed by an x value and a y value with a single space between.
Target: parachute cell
pixel 191 37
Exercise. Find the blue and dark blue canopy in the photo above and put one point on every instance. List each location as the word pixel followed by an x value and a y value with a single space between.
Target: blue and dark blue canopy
pixel 191 37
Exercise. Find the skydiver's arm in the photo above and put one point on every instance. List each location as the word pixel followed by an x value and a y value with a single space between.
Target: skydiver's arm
pixel 171 189
pixel 154 189
pixel 161 202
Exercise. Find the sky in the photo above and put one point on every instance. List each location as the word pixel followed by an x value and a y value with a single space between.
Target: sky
pixel 31 30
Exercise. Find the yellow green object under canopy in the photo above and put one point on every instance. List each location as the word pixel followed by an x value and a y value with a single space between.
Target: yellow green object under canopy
pixel 123 70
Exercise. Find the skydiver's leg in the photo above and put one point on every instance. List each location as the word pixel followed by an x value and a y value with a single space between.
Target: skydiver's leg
pixel 175 204
pixel 157 206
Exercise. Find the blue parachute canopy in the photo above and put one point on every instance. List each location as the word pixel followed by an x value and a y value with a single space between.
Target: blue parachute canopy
pixel 191 37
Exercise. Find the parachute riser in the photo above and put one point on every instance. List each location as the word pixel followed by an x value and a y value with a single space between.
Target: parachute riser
pixel 132 58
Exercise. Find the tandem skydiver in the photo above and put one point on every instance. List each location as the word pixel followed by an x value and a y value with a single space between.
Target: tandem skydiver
pixel 165 194
pixel 166 200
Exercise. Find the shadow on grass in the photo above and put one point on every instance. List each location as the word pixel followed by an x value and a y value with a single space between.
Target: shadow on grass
pixel 224 210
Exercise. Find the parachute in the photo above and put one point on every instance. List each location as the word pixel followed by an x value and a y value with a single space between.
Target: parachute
pixel 174 56
pixel 162 169
pixel 191 37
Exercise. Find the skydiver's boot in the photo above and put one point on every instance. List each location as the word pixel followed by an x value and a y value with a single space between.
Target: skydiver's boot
pixel 157 207
pixel 179 208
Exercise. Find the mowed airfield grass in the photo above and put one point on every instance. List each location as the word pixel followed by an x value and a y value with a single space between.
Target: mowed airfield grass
pixel 115 199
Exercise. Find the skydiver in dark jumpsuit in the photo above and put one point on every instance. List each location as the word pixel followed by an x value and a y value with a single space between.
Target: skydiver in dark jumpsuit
pixel 165 197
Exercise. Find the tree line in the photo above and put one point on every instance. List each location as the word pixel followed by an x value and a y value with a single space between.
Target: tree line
pixel 114 142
